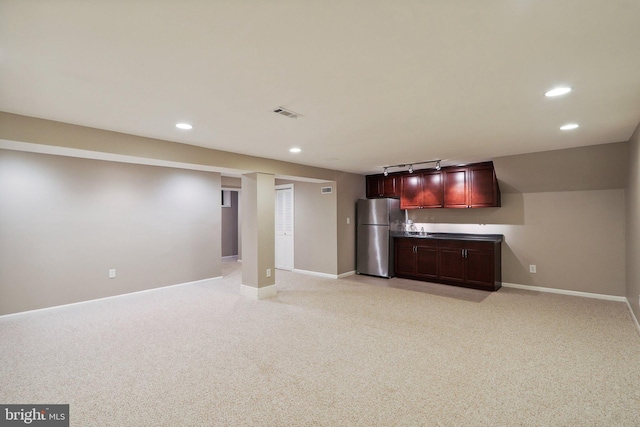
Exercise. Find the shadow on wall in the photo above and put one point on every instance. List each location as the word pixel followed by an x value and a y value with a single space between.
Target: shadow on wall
pixel 511 213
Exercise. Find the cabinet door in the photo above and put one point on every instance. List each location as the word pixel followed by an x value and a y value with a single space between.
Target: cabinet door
pixel 483 191
pixel 405 258
pixel 455 188
pixel 427 259
pixel 479 257
pixel 432 190
pixel 452 263
pixel 390 186
pixel 374 186
pixel 411 192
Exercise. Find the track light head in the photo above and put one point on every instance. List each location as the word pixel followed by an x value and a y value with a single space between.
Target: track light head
pixel 410 168
pixel 438 167
pixel 386 171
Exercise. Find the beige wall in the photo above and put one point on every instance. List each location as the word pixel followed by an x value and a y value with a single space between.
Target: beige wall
pixel 56 134
pixel 575 238
pixel 65 222
pixel 315 234
pixel 51 136
pixel 350 188
pixel 315 237
pixel 562 210
pixel 633 223
pixel 258 236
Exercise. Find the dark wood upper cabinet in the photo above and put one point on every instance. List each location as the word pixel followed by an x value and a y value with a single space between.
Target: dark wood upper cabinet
pixel 484 191
pixel 421 190
pixel 455 187
pixel 383 186
pixel 471 186
pixel 410 191
pixel 432 189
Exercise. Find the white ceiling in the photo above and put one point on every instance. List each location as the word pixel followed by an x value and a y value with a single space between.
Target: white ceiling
pixel 377 82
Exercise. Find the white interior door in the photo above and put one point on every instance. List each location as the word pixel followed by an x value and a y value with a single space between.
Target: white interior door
pixel 284 227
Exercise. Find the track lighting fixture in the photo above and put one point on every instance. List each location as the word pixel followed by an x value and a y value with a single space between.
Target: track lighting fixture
pixel 386 168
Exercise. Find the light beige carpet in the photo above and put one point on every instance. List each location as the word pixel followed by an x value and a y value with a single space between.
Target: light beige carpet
pixel 328 352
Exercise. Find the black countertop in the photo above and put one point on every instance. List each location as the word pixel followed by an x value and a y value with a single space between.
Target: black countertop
pixel 449 236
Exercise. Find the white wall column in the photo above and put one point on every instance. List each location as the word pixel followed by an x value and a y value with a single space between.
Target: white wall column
pixel 258 236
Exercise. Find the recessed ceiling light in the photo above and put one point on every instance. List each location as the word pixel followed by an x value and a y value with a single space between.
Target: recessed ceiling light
pixel 569 126
pixel 557 91
pixel 185 126
pixel 295 150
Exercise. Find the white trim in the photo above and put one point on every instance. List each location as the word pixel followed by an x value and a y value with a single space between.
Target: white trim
pixel 316 273
pixel 196 282
pixel 565 292
pixel 348 273
pixel 633 315
pixel 258 293
pixel 229 256
pixel 325 275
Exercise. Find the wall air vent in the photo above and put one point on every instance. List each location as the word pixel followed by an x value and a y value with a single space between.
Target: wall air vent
pixel 287 113
pixel 326 190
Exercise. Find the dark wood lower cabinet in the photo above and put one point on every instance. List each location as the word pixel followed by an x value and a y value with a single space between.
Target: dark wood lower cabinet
pixel 416 258
pixel 474 264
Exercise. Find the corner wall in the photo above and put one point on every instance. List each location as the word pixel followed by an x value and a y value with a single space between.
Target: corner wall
pixel 633 223
pixel 562 210
pixel 350 188
pixel 65 222
pixel 575 238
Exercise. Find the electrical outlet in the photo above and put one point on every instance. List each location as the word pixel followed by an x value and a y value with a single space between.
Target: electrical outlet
pixel 112 273
pixel 268 272
pixel 532 268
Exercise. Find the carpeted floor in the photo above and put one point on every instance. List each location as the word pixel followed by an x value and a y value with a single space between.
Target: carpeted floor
pixel 349 352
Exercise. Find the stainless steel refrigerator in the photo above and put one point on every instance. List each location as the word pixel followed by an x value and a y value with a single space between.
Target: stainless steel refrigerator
pixel 374 246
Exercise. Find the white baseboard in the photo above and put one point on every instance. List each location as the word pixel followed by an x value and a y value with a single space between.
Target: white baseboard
pixel 347 274
pixel 578 294
pixel 258 293
pixel 316 273
pixel 325 275
pixel 202 281
pixel 633 315
pixel 564 292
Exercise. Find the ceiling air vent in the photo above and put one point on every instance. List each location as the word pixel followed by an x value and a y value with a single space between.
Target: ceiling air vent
pixel 285 112
pixel 326 190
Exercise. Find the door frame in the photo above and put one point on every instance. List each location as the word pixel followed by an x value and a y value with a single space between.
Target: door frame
pixel 293 224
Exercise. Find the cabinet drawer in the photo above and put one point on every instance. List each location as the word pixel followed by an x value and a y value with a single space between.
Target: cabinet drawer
pixel 479 246
pixel 426 243
pixel 452 244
